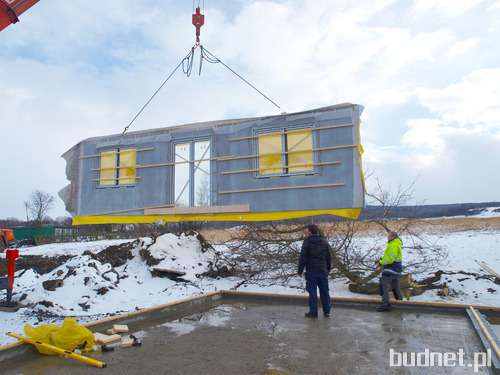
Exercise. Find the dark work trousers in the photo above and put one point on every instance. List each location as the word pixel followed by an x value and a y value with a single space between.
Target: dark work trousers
pixel 315 280
pixel 387 283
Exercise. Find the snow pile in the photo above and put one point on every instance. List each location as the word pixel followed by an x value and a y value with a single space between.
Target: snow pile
pixel 183 254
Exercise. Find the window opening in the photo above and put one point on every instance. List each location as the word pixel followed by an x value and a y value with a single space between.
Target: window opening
pixel 202 174
pixel 117 167
pixel 299 161
pixel 192 174
pixel 285 153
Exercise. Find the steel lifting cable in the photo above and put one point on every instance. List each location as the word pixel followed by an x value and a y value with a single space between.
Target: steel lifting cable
pixel 205 54
pixel 187 71
pixel 187 64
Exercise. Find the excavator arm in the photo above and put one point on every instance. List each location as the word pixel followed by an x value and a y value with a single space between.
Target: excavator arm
pixel 11 9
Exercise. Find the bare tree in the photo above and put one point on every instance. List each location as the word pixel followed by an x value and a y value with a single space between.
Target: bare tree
pixel 38 205
pixel 262 254
pixel 267 254
pixel 421 255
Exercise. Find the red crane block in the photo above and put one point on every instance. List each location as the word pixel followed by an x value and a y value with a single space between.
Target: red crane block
pixel 198 21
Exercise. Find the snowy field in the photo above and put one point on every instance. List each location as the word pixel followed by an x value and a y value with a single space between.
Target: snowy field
pixel 132 286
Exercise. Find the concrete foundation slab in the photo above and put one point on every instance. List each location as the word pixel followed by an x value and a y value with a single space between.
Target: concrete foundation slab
pixel 244 336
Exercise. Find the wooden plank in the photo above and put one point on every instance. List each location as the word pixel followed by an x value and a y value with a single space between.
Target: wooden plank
pixel 105 339
pixel 127 343
pixel 115 179
pixel 120 328
pixel 489 269
pixel 113 168
pixel 130 209
pixel 301 130
pixel 490 339
pixel 149 309
pixel 281 188
pixel 114 153
pixel 283 167
pixel 169 164
pixel 201 210
pixel 57 350
pixel 287 152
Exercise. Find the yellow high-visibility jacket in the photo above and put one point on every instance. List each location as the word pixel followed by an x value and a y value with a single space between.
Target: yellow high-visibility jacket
pixel 392 260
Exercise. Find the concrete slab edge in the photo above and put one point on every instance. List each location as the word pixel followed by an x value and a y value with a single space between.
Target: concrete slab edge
pixel 484 341
pixel 365 302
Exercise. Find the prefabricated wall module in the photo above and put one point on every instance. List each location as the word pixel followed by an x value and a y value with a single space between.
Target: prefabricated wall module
pixel 255 169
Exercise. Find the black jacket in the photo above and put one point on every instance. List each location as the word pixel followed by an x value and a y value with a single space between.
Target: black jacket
pixel 315 255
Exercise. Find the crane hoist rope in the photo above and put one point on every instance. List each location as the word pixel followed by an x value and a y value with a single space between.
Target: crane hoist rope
pixel 198 20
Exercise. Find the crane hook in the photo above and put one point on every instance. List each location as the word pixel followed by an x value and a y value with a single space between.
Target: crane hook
pixel 198 21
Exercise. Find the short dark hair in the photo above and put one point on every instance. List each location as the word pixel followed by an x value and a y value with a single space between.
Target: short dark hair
pixel 313 229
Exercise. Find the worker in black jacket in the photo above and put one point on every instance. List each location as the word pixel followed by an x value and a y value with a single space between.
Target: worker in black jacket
pixel 316 258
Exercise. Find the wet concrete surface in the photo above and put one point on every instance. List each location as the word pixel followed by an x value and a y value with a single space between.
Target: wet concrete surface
pixel 243 337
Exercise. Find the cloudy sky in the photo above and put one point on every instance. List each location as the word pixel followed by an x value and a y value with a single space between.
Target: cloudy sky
pixel 426 71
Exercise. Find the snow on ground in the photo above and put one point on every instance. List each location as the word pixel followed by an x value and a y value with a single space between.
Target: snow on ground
pixel 487 212
pixel 131 286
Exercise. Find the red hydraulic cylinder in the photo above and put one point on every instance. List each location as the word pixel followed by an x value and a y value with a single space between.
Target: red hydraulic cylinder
pixel 11 255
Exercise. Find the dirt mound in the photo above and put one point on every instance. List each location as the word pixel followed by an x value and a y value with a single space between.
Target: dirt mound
pixel 116 255
pixel 40 264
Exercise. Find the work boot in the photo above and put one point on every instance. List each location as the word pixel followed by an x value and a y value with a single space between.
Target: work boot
pixel 384 307
pixel 310 315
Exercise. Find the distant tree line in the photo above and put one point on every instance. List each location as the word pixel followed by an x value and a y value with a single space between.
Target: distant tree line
pixel 429 211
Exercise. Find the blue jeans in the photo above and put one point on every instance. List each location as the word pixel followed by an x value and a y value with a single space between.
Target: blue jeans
pixel 315 280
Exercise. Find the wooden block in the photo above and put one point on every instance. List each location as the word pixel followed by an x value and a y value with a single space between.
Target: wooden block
pixel 127 343
pixel 111 331
pixel 105 339
pixel 120 328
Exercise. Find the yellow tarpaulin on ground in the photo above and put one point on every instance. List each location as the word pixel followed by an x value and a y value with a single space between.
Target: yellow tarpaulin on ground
pixel 68 337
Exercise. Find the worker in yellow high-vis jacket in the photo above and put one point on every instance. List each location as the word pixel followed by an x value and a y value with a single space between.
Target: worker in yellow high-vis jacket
pixel 392 261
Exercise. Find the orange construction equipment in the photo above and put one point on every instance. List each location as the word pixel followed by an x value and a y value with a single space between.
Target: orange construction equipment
pixel 11 9
pixel 6 235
